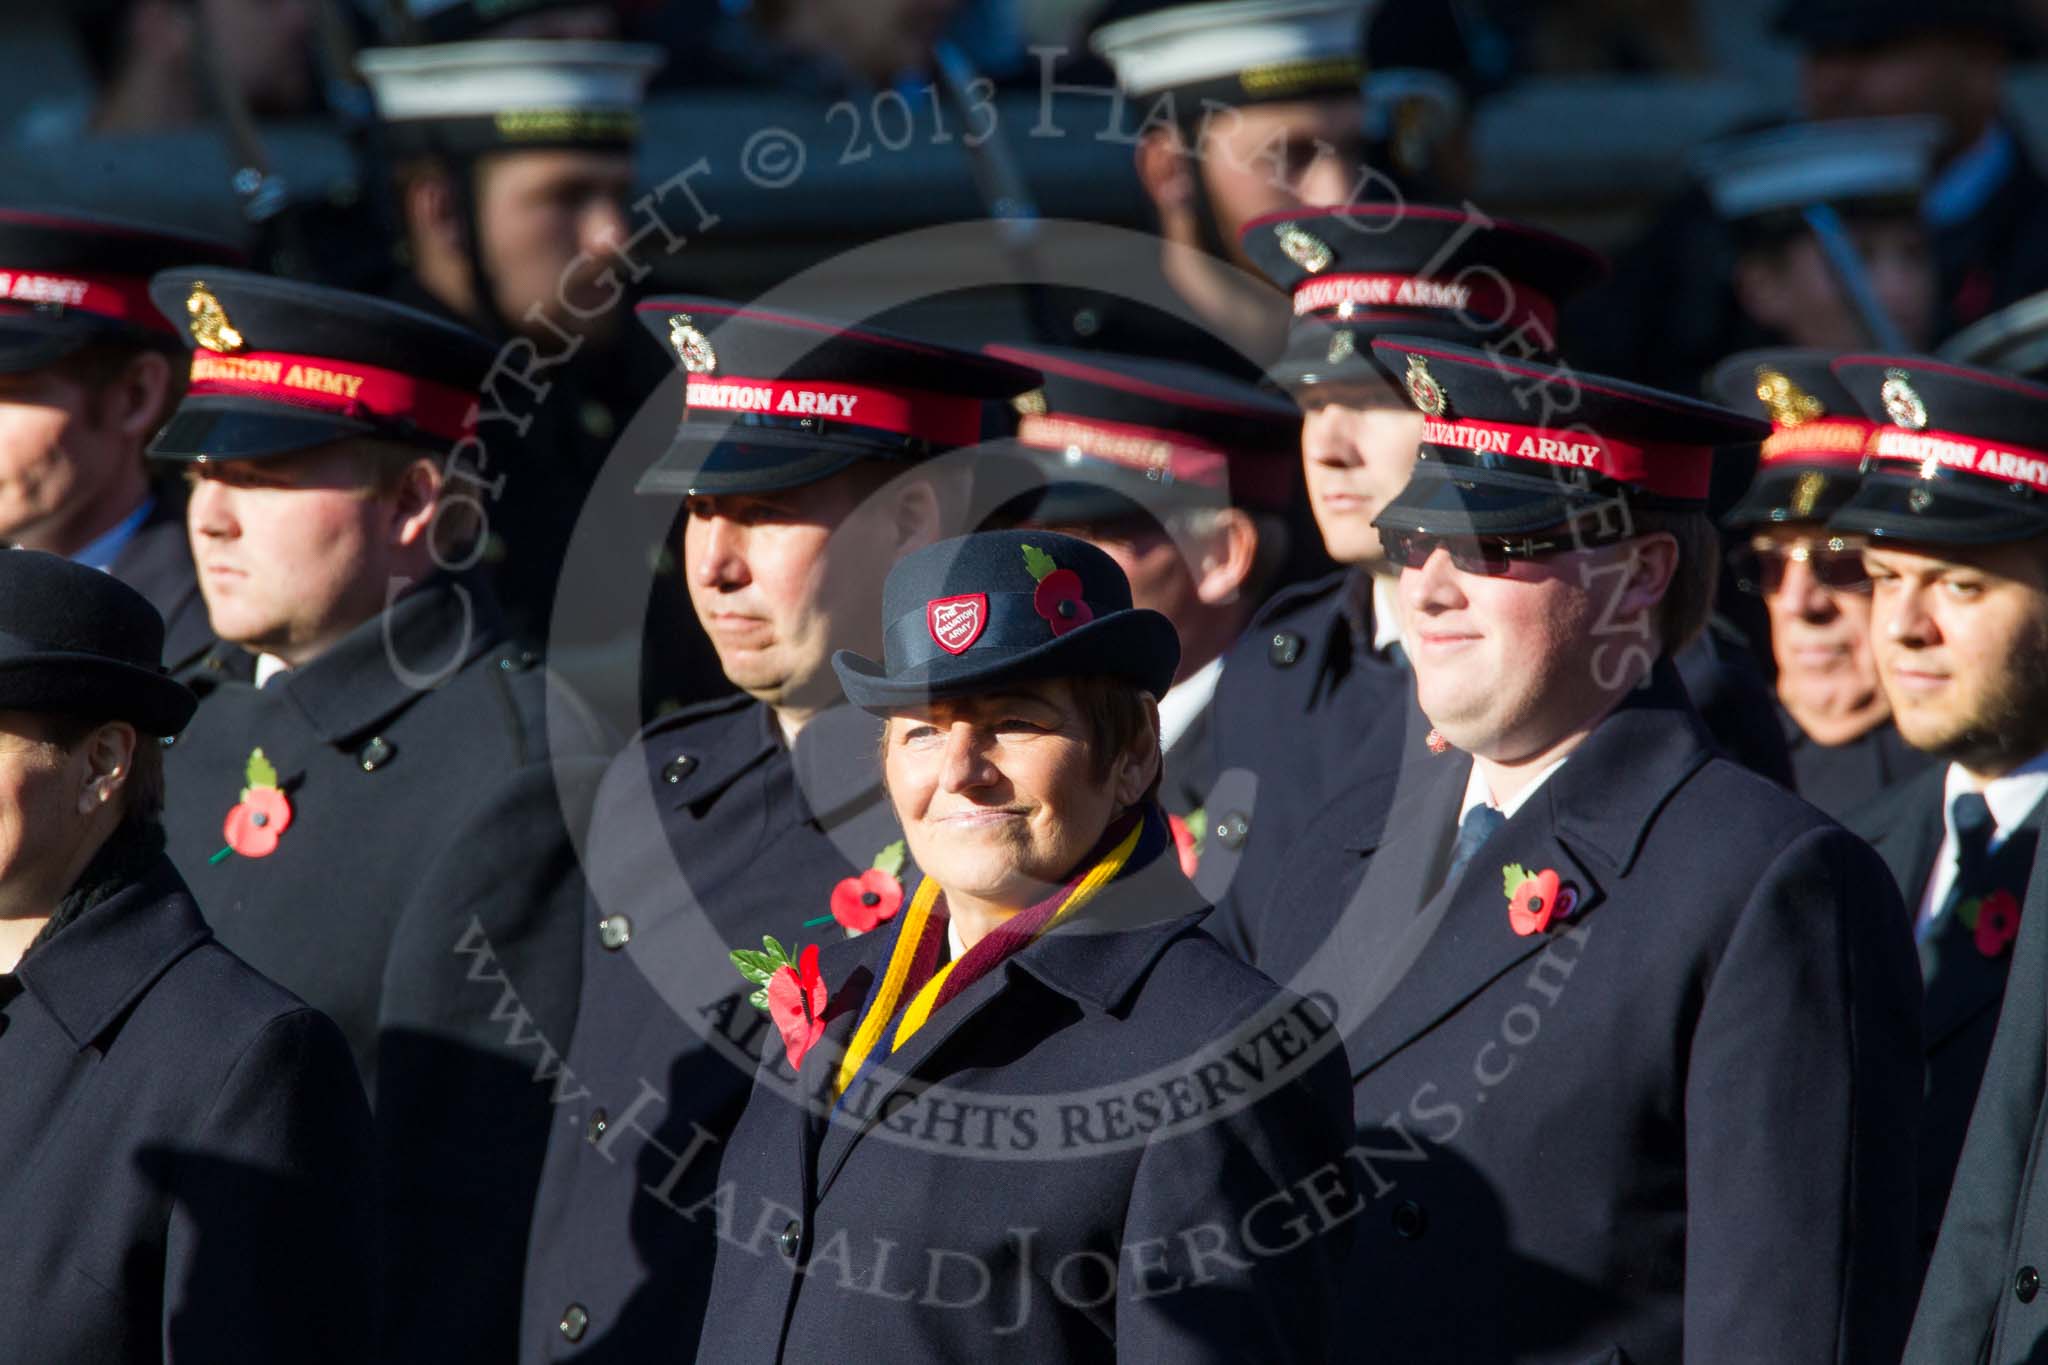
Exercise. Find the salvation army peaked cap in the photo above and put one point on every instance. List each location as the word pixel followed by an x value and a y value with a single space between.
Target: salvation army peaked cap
pixel 981 612
pixel 1367 269
pixel 1116 435
pixel 280 366
pixel 1958 456
pixel 1512 447
pixel 1811 460
pixel 777 400
pixel 78 642
pixel 70 280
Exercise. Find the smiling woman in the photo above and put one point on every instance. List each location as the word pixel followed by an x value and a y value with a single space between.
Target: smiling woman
pixel 1050 964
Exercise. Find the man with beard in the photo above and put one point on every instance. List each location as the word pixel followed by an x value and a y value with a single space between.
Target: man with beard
pixel 1959 620
pixel 1838 730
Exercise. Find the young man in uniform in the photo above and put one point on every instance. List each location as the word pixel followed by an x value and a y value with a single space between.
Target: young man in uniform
pixel 1838 731
pixel 88 371
pixel 367 800
pixel 1631 1029
pixel 807 459
pixel 1183 476
pixel 1959 620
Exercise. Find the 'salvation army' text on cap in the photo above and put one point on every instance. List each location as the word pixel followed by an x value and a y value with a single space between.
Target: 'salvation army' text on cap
pixel 1238 51
pixel 1487 469
pixel 1857 165
pixel 70 280
pixel 982 612
pixel 1818 433
pixel 1419 270
pixel 1118 435
pixel 464 99
pixel 1957 457
pixel 776 400
pixel 280 366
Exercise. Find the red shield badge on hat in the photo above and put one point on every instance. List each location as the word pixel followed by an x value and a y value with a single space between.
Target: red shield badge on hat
pixel 957 622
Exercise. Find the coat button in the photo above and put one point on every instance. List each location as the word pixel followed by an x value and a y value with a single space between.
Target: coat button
pixel 1232 829
pixel 677 768
pixel 1410 1219
pixel 1284 649
pixel 575 1321
pixel 2026 1284
pixel 375 754
pixel 792 1237
pixel 599 1121
pixel 614 931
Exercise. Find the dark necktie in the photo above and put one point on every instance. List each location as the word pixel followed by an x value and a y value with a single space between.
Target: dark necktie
pixel 1971 817
pixel 1475 829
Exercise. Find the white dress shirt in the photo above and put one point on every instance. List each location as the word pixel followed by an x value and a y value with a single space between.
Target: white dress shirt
pixel 2012 799
pixel 1184 701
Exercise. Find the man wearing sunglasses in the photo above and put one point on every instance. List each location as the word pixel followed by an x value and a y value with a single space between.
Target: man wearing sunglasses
pixel 1582 961
pixel 1952 506
pixel 1837 723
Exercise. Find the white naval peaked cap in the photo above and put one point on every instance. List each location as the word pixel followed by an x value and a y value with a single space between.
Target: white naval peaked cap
pixel 513 92
pixel 1827 161
pixel 1248 50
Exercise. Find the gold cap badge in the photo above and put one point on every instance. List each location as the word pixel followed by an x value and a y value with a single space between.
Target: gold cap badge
pixel 1902 402
pixel 1343 345
pixel 1423 388
pixel 1030 403
pixel 692 347
pixel 1305 249
pixel 1789 405
pixel 210 325
pixel 1806 492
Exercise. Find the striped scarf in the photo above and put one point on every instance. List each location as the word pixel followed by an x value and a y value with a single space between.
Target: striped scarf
pixel 913 971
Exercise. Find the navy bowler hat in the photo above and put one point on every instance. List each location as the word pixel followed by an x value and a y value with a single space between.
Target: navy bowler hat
pixel 78 642
pixel 977 613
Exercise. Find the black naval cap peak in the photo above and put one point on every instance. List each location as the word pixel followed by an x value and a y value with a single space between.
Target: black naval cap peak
pixel 1812 457
pixel 1832 25
pixel 75 641
pixel 1118 435
pixel 1513 447
pixel 69 280
pixel 979 613
pixel 776 399
pixel 1957 457
pixel 280 366
pixel 1422 270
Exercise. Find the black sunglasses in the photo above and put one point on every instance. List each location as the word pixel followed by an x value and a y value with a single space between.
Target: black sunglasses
pixel 1492 555
pixel 1759 567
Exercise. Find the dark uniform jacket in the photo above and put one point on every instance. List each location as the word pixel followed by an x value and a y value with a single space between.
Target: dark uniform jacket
pixel 157 562
pixel 1674 1126
pixel 1840 778
pixel 188 1172
pixel 427 897
pixel 1982 1300
pixel 1065 1163
pixel 1963 986
pixel 708 834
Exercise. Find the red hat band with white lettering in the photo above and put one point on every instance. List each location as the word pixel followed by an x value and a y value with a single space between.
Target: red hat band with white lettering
pixel 942 419
pixel 340 388
pixel 119 298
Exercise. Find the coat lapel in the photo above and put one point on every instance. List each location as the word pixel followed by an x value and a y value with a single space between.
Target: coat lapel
pixel 1962 982
pixel 1586 823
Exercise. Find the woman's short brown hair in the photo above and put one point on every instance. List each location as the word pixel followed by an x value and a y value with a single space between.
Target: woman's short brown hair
pixel 142 795
pixel 1113 712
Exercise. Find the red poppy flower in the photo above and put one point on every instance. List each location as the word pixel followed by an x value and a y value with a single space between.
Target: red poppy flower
pixel 860 903
pixel 1534 901
pixel 1184 844
pixel 796 1002
pixel 1058 600
pixel 1998 922
pixel 256 822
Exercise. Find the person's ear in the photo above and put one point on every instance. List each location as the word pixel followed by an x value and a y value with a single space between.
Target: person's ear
pixel 916 516
pixel 1760 290
pixel 1225 558
pixel 413 501
pixel 133 404
pixel 1138 766
pixel 433 220
pixel 1167 172
pixel 1651 565
pixel 109 758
